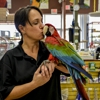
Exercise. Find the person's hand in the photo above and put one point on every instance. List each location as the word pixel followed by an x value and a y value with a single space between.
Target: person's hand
pixel 47 68
pixel 43 73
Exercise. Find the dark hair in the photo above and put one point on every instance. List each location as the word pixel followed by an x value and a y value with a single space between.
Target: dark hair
pixel 22 16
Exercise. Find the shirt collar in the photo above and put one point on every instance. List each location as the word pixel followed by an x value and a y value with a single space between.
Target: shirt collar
pixel 19 52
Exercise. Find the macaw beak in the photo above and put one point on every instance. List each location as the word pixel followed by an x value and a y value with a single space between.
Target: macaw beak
pixel 46 31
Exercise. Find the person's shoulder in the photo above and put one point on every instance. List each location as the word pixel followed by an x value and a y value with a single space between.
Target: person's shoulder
pixel 13 51
pixel 8 54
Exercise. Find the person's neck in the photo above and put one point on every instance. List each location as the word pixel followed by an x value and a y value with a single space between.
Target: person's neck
pixel 30 46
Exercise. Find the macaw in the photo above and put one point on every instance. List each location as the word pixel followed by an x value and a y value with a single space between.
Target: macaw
pixel 61 51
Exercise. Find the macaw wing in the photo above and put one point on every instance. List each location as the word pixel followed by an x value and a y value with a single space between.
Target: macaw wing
pixel 63 54
pixel 73 52
pixel 66 49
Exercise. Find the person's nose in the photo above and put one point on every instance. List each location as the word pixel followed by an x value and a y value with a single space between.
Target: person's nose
pixel 42 26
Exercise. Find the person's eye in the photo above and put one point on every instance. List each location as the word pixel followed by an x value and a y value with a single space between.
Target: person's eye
pixel 35 23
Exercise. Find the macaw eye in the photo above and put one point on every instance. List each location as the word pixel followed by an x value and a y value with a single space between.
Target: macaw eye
pixel 51 29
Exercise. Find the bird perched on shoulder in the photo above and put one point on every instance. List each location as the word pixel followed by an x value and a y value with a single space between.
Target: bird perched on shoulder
pixel 61 51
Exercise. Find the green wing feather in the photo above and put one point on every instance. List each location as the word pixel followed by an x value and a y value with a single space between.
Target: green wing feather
pixel 66 49
pixel 67 44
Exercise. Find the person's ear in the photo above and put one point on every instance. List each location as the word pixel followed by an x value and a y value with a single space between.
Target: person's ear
pixel 22 29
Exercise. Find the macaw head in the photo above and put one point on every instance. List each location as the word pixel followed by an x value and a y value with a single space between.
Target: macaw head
pixel 50 30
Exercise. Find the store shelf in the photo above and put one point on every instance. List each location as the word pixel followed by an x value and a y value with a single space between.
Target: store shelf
pixel 93 34
pixel 92 89
pixel 88 85
pixel 2 45
pixel 95 14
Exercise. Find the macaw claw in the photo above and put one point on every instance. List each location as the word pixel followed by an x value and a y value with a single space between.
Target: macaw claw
pixel 45 63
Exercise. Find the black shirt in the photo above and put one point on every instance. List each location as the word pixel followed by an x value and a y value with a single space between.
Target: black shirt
pixel 17 68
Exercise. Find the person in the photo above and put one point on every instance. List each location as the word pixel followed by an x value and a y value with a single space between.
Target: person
pixel 22 74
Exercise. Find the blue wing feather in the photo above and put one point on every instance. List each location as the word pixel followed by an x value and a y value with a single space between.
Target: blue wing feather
pixel 59 52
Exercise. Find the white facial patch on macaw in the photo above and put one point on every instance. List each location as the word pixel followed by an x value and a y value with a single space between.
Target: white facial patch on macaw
pixel 51 29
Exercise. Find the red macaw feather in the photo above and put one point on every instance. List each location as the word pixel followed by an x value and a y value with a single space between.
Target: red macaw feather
pixel 81 89
pixel 52 58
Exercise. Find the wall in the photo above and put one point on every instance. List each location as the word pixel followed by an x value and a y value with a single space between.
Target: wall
pixel 17 4
pixel 53 4
pixel 86 11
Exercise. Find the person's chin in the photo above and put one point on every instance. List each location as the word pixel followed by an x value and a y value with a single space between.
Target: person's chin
pixel 42 37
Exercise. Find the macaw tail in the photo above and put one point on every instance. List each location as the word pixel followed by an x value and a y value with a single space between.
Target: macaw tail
pixel 81 89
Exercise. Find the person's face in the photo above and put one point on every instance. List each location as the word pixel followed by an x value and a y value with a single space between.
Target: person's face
pixel 34 32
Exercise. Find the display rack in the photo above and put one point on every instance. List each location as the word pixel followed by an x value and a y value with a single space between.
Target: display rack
pixel 3 46
pixel 6 44
pixel 93 34
pixel 92 88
